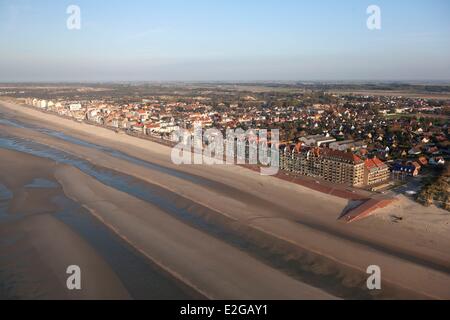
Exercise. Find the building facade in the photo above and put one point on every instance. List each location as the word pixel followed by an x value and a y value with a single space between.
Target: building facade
pixel 375 172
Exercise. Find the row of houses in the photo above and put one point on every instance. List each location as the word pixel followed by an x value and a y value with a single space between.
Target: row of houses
pixel 413 168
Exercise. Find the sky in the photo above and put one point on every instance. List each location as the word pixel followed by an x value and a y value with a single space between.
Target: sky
pixel 224 40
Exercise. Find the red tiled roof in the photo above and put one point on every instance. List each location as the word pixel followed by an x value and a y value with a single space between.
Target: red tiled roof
pixel 378 162
pixel 370 164
pixel 374 163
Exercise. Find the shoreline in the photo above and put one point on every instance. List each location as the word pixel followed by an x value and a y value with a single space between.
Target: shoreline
pixel 345 192
pixel 370 202
pixel 266 223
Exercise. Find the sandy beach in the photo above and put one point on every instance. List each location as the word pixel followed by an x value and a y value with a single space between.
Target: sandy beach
pixel 292 221
pixel 208 266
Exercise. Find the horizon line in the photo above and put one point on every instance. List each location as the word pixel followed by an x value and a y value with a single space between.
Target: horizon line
pixel 268 81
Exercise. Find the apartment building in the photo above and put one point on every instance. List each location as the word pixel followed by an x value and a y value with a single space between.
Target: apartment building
pixel 331 165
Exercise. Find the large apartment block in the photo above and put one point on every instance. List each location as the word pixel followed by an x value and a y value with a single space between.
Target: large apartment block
pixel 332 165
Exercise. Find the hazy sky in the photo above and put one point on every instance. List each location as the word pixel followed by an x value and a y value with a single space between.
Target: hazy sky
pixel 224 40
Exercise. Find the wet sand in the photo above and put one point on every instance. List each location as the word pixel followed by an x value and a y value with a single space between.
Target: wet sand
pixel 43 232
pixel 210 267
pixel 298 217
pixel 37 248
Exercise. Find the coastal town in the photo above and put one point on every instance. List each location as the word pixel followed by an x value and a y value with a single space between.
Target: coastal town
pixel 351 166
pixel 374 142
pixel 213 154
